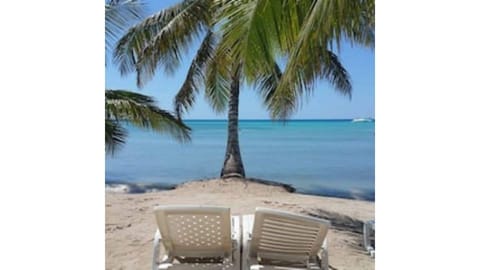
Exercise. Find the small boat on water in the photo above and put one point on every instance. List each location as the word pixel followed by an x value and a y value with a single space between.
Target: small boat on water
pixel 357 120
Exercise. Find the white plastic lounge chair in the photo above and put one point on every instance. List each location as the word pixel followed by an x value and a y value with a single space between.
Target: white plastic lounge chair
pixel 196 237
pixel 274 239
pixel 369 237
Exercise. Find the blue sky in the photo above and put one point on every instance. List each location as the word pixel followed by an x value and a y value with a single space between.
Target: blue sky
pixel 324 104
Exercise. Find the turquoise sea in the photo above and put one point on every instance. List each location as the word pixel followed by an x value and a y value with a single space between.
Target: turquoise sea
pixel 324 157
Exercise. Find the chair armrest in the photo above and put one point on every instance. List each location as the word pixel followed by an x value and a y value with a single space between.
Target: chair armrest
pixel 156 249
pixel 323 254
pixel 236 236
pixel 249 263
pixel 235 229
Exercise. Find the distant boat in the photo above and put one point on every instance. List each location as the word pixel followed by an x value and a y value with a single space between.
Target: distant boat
pixel 356 120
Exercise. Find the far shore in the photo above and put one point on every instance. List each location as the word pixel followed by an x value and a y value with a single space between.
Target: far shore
pixel 130 224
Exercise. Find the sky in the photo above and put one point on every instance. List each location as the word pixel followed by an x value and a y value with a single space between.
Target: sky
pixel 325 103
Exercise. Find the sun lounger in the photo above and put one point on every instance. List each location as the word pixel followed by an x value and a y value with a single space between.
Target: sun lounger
pixel 196 237
pixel 275 239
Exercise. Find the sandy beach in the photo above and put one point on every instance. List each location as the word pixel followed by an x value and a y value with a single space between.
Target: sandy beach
pixel 130 223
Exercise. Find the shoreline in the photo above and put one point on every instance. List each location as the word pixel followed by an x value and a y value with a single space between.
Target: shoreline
pixel 126 187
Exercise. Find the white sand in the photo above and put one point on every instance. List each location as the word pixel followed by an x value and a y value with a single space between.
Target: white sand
pixel 130 223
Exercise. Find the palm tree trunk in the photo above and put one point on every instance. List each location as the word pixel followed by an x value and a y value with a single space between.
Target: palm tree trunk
pixel 233 165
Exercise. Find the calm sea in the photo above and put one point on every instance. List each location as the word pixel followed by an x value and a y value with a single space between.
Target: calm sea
pixel 325 157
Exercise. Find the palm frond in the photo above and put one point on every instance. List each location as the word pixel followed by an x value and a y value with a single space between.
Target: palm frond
pixel 267 84
pixel 248 34
pixel 119 15
pixel 324 25
pixel 185 98
pixel 161 39
pixel 299 78
pixel 218 80
pixel 260 31
pixel 328 21
pixel 114 136
pixel 334 72
pixel 352 20
pixel 141 111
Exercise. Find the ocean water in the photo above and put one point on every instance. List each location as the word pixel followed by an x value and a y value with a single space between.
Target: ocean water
pixel 324 157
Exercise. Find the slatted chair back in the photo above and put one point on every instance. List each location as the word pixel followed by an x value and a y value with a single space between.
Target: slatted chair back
pixel 196 232
pixel 284 236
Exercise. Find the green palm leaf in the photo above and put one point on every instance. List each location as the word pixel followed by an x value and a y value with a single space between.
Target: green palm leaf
pixel 258 32
pixel 115 136
pixel 161 39
pixel 248 35
pixel 298 81
pixel 267 84
pixel 310 59
pixel 119 15
pixel 140 110
pixel 185 98
pixel 219 78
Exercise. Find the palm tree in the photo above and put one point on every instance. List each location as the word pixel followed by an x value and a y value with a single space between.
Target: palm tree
pixel 123 106
pixel 243 41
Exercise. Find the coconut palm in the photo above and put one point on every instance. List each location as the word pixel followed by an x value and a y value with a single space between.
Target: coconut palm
pixel 126 107
pixel 242 41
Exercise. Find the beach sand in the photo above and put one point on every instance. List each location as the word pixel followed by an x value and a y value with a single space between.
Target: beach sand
pixel 130 223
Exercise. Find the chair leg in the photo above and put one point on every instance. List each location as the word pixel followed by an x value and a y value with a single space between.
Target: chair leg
pixel 367 238
pixel 366 235
pixel 324 262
